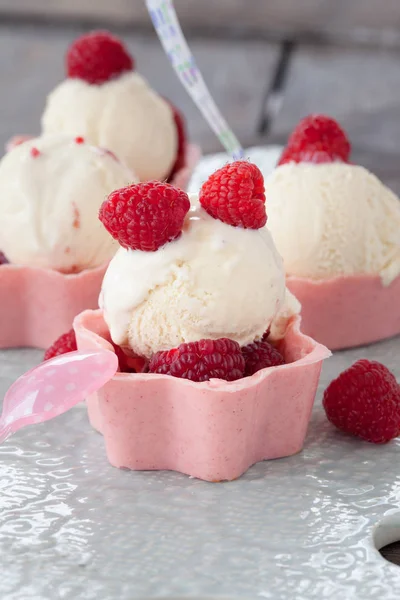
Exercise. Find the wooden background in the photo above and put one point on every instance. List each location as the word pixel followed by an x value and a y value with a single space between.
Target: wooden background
pixel 322 17
pixel 267 63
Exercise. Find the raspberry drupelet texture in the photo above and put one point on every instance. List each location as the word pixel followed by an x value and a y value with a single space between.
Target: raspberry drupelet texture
pixel 65 343
pixel 365 401
pixel 235 195
pixel 97 57
pixel 201 361
pixel 145 216
pixel 260 355
pixel 316 139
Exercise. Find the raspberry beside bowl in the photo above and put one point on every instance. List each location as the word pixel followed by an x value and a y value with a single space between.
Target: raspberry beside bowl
pixel 213 430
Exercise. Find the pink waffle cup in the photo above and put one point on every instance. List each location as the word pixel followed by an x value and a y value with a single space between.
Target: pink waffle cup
pixel 38 305
pixel 348 311
pixel 213 430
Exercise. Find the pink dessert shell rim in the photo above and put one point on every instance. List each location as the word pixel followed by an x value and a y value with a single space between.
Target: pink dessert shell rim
pixel 348 311
pixel 53 273
pixel 318 352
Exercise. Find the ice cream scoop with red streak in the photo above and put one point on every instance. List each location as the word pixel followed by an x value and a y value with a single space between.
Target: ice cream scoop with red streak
pixel 51 188
pixel 194 292
pixel 337 228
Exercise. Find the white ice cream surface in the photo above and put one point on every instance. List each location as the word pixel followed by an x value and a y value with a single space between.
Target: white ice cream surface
pixel 214 281
pixel 333 219
pixel 123 115
pixel 49 203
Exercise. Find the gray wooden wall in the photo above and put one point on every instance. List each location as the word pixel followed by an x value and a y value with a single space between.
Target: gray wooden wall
pixel 277 17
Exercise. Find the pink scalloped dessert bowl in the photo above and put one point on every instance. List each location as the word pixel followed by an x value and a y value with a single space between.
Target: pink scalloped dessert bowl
pixel 348 311
pixel 214 430
pixel 38 305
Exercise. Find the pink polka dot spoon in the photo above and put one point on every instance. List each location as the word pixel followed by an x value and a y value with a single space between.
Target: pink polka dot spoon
pixel 53 387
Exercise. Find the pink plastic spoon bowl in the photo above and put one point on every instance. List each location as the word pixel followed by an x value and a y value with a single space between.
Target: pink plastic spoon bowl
pixel 53 387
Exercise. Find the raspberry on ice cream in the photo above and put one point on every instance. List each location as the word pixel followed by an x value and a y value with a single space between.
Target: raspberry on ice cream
pixel 235 195
pixel 97 57
pixel 145 216
pixel 365 401
pixel 108 103
pixel 316 139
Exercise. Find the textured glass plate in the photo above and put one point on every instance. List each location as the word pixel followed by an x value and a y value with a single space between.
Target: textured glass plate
pixel 73 527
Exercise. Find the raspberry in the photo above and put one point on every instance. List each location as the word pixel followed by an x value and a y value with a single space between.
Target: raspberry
pixel 97 57
pixel 201 361
pixel 65 343
pixel 266 335
pixel 145 216
pixel 3 259
pixel 260 355
pixel 316 139
pixel 365 401
pixel 181 133
pixel 128 364
pixel 235 195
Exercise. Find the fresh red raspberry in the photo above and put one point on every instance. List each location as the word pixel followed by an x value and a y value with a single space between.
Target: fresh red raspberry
pixel 201 361
pixel 235 195
pixel 182 137
pixel 145 216
pixel 266 335
pixel 316 139
pixel 260 355
pixel 128 364
pixel 65 343
pixel 97 57
pixel 365 401
pixel 3 259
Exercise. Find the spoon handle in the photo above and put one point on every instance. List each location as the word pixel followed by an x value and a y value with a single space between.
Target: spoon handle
pixel 169 31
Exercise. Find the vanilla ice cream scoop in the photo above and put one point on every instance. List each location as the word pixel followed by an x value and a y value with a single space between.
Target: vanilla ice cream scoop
pixel 124 115
pixel 214 281
pixel 333 219
pixel 51 189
